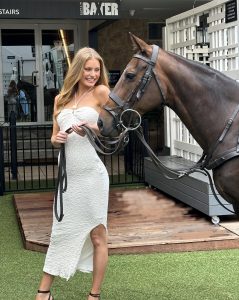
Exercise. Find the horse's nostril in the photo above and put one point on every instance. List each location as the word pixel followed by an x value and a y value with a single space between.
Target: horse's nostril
pixel 100 123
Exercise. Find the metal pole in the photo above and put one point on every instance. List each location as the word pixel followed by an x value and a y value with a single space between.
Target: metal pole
pixel 145 126
pixel 13 144
pixel 2 176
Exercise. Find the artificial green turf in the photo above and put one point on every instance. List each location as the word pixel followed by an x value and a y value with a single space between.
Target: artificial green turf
pixel 211 275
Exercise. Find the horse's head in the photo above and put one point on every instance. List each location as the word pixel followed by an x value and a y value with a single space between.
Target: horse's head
pixel 137 91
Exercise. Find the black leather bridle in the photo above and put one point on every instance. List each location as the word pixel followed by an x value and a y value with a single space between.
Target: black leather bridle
pixel 207 160
pixel 124 105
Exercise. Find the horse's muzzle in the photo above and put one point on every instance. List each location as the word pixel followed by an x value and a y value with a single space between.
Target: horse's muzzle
pixel 104 130
pixel 100 124
pixel 107 128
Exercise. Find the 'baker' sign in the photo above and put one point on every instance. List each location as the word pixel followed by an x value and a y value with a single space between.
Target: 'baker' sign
pixel 99 9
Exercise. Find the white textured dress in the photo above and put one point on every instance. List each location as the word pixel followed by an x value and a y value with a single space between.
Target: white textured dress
pixel 85 202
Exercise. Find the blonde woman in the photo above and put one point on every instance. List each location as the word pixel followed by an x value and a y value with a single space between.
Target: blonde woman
pixel 79 241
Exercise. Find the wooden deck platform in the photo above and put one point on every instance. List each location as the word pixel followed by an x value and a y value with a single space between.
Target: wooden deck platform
pixel 139 221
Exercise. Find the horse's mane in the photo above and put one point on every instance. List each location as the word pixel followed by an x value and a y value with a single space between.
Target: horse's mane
pixel 202 68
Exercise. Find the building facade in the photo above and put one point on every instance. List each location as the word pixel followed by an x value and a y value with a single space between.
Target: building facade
pixel 37 42
pixel 39 38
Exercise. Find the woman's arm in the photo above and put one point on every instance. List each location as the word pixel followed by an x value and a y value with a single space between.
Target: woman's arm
pixel 101 94
pixel 58 137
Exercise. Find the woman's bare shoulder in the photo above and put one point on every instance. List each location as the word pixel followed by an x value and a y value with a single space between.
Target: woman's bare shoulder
pixel 101 93
pixel 102 89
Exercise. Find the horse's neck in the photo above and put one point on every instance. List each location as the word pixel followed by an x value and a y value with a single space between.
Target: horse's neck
pixel 197 98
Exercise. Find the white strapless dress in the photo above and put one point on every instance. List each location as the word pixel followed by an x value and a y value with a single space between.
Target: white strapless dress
pixel 85 201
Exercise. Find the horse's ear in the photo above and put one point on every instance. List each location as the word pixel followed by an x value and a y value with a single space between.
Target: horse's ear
pixel 137 43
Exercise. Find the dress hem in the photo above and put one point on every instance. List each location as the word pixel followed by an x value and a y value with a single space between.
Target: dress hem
pixel 67 277
pixel 79 269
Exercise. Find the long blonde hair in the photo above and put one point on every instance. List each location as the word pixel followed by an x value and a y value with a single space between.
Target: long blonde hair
pixel 74 74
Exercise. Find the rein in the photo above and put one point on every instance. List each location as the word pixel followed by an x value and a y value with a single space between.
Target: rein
pixel 103 148
pixel 120 143
pixel 180 172
pixel 61 184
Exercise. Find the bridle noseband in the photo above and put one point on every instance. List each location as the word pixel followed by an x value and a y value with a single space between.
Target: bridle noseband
pixel 125 105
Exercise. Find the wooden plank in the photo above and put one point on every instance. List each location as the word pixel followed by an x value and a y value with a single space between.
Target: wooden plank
pixel 139 221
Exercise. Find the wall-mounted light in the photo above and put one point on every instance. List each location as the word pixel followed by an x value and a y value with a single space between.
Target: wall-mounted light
pixel 201 31
pixel 131 12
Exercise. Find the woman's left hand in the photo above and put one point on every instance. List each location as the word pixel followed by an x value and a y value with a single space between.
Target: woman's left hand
pixel 77 129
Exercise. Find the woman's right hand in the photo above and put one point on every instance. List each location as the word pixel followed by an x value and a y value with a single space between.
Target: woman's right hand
pixel 60 137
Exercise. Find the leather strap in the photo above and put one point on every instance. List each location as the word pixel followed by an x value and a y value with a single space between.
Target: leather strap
pixel 229 154
pixel 61 184
pixel 94 295
pixel 45 292
pixel 180 172
pixel 209 154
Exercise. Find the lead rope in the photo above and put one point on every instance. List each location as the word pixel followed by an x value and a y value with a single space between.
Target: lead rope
pixel 61 185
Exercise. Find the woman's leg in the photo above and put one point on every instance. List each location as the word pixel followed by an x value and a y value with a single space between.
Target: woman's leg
pixel 45 285
pixel 100 258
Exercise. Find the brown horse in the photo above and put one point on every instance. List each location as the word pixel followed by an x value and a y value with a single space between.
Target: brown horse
pixel 205 100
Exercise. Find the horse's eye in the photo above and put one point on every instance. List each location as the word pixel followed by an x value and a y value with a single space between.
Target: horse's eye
pixel 130 75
